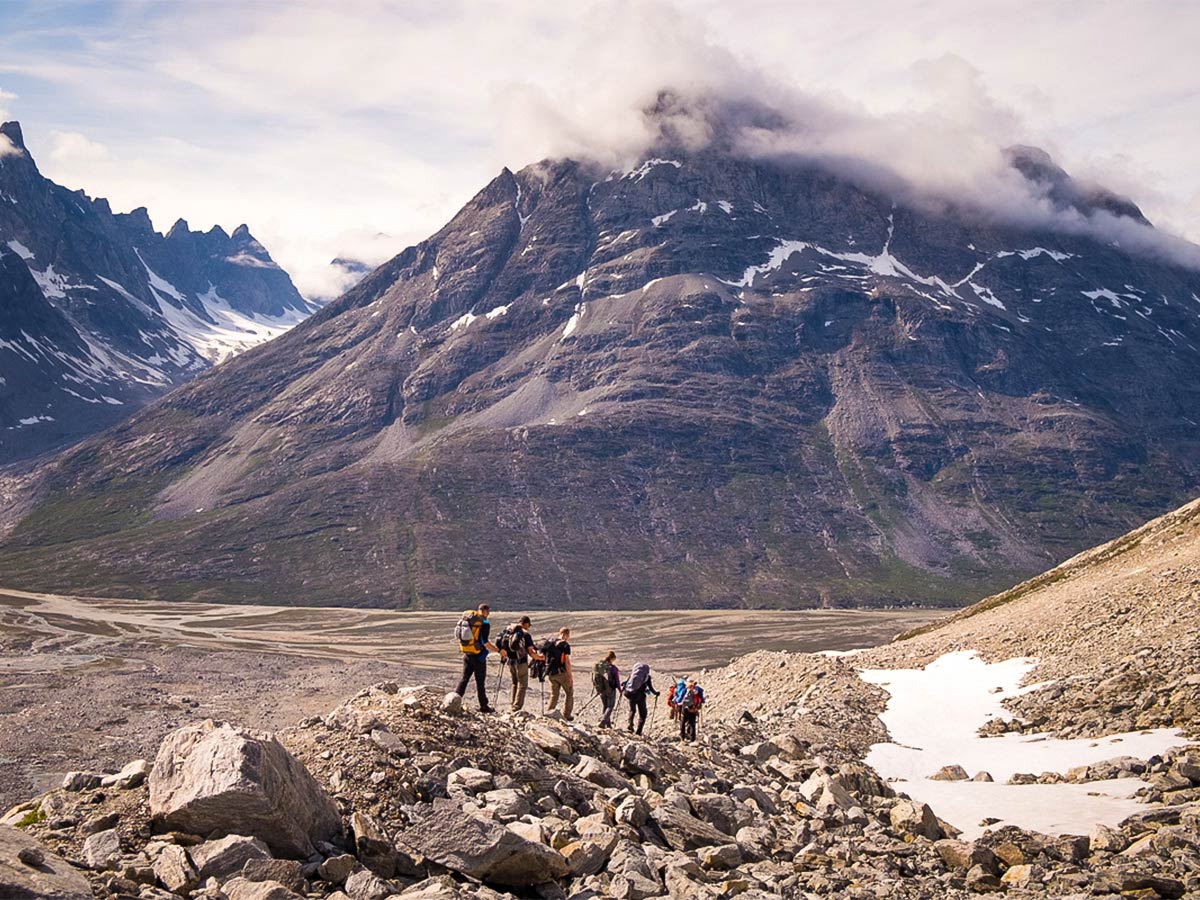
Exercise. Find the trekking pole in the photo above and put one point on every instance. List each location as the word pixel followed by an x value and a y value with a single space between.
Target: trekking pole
pixel 653 712
pixel 499 678
pixel 590 700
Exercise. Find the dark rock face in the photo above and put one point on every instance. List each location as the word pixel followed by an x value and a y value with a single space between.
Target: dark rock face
pixel 707 381
pixel 99 314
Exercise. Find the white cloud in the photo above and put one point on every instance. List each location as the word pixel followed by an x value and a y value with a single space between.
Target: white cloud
pixel 71 147
pixel 317 123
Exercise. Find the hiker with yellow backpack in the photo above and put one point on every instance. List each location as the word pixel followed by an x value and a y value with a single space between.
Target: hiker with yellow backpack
pixel 472 633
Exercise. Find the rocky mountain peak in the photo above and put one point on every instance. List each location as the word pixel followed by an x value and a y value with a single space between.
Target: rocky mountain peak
pixel 12 131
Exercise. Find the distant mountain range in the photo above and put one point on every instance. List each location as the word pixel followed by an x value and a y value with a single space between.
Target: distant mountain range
pixel 100 314
pixel 706 380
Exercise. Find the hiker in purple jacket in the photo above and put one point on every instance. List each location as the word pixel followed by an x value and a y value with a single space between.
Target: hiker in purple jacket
pixel 635 689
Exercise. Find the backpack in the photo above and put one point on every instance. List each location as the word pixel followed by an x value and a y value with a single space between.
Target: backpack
pixel 537 669
pixel 600 675
pixel 677 694
pixel 466 632
pixel 637 679
pixel 552 650
pixel 692 700
pixel 512 642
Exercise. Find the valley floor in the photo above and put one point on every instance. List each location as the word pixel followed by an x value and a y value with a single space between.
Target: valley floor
pixel 88 683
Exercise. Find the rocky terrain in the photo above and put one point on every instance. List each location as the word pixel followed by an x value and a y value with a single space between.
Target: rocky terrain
pixel 707 380
pixel 398 792
pixel 102 314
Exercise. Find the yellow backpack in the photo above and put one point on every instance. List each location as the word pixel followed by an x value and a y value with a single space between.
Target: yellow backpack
pixel 467 632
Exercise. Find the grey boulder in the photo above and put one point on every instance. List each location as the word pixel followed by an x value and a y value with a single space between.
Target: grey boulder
pixel 218 779
pixel 482 849
pixel 51 878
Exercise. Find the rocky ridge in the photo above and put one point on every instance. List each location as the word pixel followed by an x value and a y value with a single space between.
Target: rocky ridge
pixel 102 314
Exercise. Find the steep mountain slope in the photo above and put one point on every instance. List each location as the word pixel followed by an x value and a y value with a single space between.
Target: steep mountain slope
pixel 101 314
pixel 709 380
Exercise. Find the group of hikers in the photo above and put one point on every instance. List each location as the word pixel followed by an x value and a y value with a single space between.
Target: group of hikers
pixel 522 657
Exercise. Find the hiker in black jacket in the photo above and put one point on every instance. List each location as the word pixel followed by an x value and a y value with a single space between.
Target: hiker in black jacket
pixel 518 643
pixel 475 653
pixel 636 688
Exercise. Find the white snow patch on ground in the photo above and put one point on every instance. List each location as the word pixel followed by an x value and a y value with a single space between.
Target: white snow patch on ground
pixel 21 250
pixel 726 206
pixel 228 333
pixel 497 312
pixel 463 321
pixel 663 219
pixel 573 322
pixel 699 206
pixel 933 716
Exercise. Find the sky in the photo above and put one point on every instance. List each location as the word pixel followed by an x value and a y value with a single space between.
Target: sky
pixel 359 128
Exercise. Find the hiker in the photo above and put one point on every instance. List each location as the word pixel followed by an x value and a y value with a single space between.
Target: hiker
pixel 606 679
pixel 472 634
pixel 635 690
pixel 517 643
pixel 558 670
pixel 689 700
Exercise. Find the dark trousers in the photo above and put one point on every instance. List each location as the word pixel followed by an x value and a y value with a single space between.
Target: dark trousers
pixel 687 724
pixel 474 666
pixel 608 700
pixel 637 704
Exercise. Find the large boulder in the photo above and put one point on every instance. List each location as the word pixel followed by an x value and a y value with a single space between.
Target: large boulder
pixel 28 870
pixel 481 849
pixel 916 819
pixel 226 856
pixel 218 779
pixel 684 831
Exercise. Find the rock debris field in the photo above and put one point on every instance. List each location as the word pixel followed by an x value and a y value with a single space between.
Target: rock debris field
pixel 811 777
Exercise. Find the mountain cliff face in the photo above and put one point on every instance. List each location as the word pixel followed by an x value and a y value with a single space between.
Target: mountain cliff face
pixel 101 314
pixel 705 381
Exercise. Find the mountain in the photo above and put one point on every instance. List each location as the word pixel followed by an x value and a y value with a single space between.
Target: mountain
pixel 708 380
pixel 101 314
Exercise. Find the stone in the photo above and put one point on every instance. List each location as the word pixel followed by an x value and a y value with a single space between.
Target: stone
pixel 639 758
pixel 337 869
pixel 1106 840
pixel 726 856
pixel 452 703
pixel 130 777
pixel 80 781
pixel 474 780
pixel 102 850
pixel 950 773
pixel 531 831
pixel 506 804
pixel 823 792
pixel 965 855
pixel 366 885
pixel 1019 876
pixel 481 849
pixel 722 812
pixel 599 772
pixel 174 870
pixel 981 881
pixel 683 831
pixel 372 845
pixel 53 878
pixel 760 751
pixel 548 739
pixel 101 823
pixel 226 856
pixel 632 811
pixel 287 872
pixel 243 889
pixel 983 776
pixel 443 887
pixel 217 779
pixel 585 857
pixel 916 819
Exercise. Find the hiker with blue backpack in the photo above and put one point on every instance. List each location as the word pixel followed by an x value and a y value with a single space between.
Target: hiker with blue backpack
pixel 638 685
pixel 686 701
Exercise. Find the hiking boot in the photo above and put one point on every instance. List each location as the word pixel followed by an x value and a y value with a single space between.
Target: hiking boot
pixel 568 718
pixel 487 709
